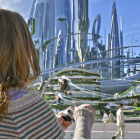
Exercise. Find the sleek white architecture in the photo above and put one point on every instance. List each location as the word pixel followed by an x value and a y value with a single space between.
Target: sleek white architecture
pixel 115 72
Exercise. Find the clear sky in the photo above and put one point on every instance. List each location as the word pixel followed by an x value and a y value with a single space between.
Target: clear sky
pixel 129 9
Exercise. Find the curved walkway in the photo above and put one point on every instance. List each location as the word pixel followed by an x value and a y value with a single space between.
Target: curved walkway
pixel 63 70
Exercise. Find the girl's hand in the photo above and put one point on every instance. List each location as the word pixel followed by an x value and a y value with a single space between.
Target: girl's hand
pixel 65 124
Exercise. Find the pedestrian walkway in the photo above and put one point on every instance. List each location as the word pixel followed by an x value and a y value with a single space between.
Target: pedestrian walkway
pixel 106 131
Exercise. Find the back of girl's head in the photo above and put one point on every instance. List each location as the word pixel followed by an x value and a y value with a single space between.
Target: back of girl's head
pixel 17 53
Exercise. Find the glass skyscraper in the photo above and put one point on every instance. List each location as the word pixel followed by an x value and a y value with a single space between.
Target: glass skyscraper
pixel 83 26
pixel 47 26
pixel 121 45
pixel 115 72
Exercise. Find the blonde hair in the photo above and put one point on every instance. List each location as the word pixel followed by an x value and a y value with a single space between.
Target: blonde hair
pixel 17 56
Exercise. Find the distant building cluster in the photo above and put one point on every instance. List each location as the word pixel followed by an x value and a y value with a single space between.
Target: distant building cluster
pixel 54 22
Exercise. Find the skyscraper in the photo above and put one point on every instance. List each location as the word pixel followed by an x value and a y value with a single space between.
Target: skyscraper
pixel 114 42
pixel 108 46
pixel 121 45
pixel 121 35
pixel 72 51
pixel 108 54
pixel 83 26
pixel 47 26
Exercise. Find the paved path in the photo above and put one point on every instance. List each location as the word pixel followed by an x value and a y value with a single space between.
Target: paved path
pixel 101 131
pixel 109 127
pixel 125 119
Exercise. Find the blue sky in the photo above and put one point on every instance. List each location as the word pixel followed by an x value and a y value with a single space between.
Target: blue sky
pixel 129 9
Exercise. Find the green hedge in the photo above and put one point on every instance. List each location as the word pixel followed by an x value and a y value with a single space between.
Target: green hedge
pixel 84 98
pixel 134 85
pixel 33 27
pixel 51 90
pixel 69 90
pixel 97 83
pixel 63 64
pixel 29 22
pixel 37 51
pixel 53 83
pixel 119 99
pixel 60 107
pixel 127 90
pixel 49 98
pixel 138 109
pixel 86 74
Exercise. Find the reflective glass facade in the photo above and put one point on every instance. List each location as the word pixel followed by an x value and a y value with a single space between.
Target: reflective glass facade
pixel 47 27
pixel 83 26
pixel 114 42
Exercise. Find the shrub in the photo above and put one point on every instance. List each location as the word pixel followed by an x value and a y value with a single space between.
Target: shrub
pixel 49 98
pixel 86 74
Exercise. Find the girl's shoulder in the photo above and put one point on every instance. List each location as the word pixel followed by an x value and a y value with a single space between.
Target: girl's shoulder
pixel 31 97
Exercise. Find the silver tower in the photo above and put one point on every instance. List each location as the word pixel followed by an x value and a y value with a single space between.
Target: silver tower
pixel 121 45
pixel 72 51
pixel 115 72
pixel 47 26
pixel 83 26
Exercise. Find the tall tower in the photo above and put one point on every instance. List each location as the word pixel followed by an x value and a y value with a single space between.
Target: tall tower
pixel 121 35
pixel 108 46
pixel 72 51
pixel 83 26
pixel 47 27
pixel 115 72
pixel 121 45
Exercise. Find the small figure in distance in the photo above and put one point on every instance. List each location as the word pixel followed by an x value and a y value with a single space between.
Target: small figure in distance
pixel 58 99
pixel 111 117
pixel 64 86
pixel 105 117
pixel 120 123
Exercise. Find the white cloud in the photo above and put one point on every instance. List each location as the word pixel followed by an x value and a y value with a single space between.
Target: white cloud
pixel 136 24
pixel 132 32
pixel 23 7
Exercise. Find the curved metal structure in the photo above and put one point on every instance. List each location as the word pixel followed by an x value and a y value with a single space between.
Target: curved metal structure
pixel 97 19
pixel 60 49
pixel 94 31
pixel 87 62
pixel 115 73
pixel 63 70
pixel 95 35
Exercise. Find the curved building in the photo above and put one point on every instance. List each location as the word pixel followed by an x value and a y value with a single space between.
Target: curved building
pixel 97 31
